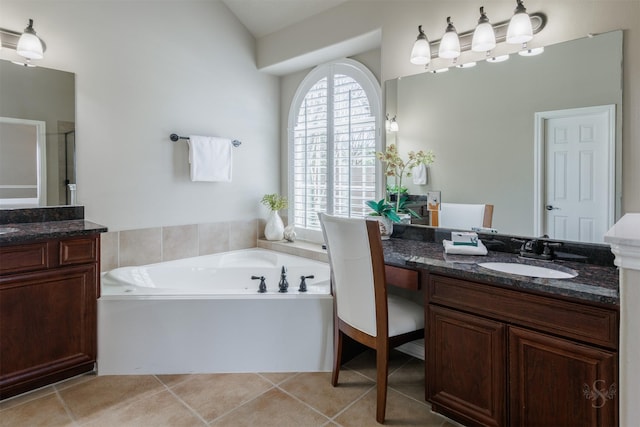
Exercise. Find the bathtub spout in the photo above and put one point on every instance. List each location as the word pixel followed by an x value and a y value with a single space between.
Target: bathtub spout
pixel 262 288
pixel 283 285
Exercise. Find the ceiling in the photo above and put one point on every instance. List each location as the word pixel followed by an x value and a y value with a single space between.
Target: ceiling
pixel 262 17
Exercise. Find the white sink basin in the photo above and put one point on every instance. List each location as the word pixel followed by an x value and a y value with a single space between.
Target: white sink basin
pixel 529 270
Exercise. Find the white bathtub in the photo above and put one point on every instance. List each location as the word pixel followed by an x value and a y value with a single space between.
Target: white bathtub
pixel 205 315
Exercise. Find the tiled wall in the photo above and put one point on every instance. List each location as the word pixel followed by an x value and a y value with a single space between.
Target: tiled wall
pixel 150 245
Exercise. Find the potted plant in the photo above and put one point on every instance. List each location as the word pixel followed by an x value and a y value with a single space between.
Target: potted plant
pixel 384 212
pixel 274 229
pixel 398 168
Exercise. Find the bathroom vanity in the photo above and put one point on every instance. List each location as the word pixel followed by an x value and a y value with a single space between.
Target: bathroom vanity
pixel 510 350
pixel 49 284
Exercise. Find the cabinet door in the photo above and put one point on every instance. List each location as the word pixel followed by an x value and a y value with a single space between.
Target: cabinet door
pixel 48 327
pixel 466 367
pixel 556 382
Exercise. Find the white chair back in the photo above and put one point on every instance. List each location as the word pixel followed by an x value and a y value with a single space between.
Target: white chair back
pixel 352 271
pixel 461 216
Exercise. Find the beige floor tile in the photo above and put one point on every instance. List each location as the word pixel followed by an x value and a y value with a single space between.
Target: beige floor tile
pixel 75 381
pixel 401 411
pixel 278 377
pixel 158 410
pixel 315 390
pixel 91 399
pixel 26 397
pixel 213 395
pixel 365 363
pixel 172 380
pixel 44 411
pixel 409 379
pixel 273 408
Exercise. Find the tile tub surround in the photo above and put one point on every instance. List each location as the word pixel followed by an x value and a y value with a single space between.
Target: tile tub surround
pixel 158 244
pixel 282 399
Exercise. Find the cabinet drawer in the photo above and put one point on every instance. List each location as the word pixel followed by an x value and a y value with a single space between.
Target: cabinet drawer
pixel 580 321
pixel 402 277
pixel 23 258
pixel 78 251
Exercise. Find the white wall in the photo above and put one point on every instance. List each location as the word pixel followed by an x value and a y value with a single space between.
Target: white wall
pixel 567 20
pixel 147 69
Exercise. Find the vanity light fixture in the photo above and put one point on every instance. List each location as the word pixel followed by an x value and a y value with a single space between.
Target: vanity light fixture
pixel 450 43
pixel 421 52
pixel 27 44
pixel 391 124
pixel 520 29
pixel 484 38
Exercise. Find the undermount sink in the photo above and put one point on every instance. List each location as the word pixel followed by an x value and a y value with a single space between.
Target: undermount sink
pixel 4 230
pixel 530 270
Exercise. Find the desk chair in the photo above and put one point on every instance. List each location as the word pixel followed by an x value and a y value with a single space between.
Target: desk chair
pixel 363 310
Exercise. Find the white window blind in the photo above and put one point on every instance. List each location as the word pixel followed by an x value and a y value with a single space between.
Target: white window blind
pixel 334 143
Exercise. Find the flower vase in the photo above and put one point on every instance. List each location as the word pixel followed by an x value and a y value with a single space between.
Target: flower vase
pixel 274 230
pixel 386 226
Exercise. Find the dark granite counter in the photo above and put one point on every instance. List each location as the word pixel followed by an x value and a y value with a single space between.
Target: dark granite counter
pixel 25 232
pixel 594 283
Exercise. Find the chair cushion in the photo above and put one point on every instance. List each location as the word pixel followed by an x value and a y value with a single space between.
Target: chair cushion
pixel 404 315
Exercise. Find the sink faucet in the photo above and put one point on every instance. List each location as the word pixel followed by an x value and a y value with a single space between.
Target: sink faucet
pixel 283 285
pixel 537 249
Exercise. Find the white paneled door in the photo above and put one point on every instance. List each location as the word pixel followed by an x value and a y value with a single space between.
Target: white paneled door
pixel 578 173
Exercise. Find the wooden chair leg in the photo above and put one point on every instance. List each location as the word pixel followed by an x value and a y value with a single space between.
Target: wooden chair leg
pixel 337 355
pixel 382 367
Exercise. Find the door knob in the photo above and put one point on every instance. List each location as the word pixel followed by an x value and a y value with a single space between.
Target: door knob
pixel 550 208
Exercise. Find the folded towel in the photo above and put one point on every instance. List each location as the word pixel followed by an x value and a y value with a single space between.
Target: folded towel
pixel 450 248
pixel 419 174
pixel 464 238
pixel 210 158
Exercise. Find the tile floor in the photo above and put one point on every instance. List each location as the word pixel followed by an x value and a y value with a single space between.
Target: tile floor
pixel 268 399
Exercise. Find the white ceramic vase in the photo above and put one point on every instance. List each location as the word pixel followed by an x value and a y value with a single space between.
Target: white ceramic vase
pixel 274 230
pixel 386 226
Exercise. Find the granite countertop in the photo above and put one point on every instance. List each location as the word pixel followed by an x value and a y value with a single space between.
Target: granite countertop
pixel 594 283
pixel 25 232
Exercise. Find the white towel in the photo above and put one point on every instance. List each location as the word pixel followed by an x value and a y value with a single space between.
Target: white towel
pixel 450 248
pixel 210 158
pixel 419 174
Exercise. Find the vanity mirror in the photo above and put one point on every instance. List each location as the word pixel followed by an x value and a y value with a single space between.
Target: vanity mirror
pixel 37 107
pixel 483 123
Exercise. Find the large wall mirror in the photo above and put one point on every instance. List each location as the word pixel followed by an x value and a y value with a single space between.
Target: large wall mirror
pixel 490 127
pixel 37 136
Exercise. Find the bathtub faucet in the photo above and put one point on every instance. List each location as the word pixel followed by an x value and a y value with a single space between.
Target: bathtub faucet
pixel 283 285
pixel 303 283
pixel 262 288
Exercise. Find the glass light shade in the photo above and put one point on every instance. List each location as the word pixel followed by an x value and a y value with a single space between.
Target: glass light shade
pixel 30 46
pixel 393 125
pixel 484 38
pixel 520 29
pixel 450 43
pixel 421 52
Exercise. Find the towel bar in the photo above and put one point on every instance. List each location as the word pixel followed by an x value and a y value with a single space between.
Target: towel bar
pixel 175 137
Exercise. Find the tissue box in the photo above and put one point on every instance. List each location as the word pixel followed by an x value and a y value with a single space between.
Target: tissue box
pixel 464 238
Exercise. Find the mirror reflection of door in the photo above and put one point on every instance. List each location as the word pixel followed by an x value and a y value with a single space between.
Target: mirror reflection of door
pixel 22 163
pixel 579 173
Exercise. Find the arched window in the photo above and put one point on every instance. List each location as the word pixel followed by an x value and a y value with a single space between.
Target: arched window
pixel 334 125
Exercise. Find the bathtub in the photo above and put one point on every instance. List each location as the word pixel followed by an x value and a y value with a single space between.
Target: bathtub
pixel 205 315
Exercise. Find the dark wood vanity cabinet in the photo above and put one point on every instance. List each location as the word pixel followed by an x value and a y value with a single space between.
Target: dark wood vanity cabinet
pixel 501 357
pixel 48 311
